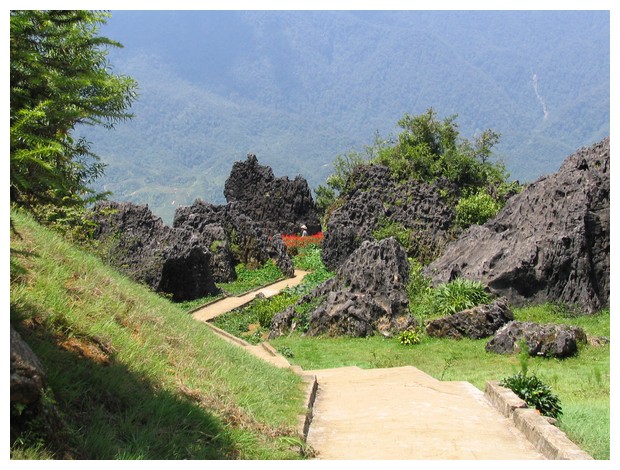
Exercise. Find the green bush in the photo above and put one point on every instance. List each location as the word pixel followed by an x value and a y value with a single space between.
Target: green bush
pixel 410 336
pixel 535 393
pixel 476 208
pixel 458 295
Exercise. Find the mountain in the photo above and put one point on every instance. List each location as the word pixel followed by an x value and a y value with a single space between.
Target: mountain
pixel 297 88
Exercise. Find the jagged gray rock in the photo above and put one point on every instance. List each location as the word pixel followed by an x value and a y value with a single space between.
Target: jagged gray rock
pixel 541 340
pixel 550 243
pixel 378 199
pixel 27 373
pixel 172 261
pixel 279 205
pixel 243 239
pixel 367 295
pixel 478 322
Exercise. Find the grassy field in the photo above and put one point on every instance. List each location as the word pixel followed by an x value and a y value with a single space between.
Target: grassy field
pixel 130 375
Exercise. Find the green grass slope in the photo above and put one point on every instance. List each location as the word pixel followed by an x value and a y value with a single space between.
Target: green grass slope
pixel 129 374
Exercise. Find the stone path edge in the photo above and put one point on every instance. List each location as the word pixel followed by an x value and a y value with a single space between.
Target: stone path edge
pixel 548 439
pixel 311 384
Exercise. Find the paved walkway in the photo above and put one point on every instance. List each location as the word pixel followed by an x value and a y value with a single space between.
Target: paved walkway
pixel 402 413
pixel 214 309
pixel 398 413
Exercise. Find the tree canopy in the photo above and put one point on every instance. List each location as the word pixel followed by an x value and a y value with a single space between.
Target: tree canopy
pixel 432 150
pixel 60 78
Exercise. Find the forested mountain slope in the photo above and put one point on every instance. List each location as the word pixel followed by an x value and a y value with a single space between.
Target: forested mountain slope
pixel 299 88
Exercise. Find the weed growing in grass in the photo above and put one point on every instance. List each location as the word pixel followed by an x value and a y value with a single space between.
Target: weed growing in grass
pixel 535 393
pixel 410 336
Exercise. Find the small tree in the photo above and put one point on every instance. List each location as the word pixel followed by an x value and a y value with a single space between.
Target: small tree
pixel 60 78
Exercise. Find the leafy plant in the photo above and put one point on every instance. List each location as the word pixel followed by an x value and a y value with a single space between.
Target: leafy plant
pixel 286 351
pixel 410 336
pixel 458 295
pixel 60 78
pixel 476 208
pixel 535 393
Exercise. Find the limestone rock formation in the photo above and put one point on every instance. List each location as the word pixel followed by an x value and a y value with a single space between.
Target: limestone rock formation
pixel 551 242
pixel 238 239
pixel 542 340
pixel 367 295
pixel 478 322
pixel 378 200
pixel 173 261
pixel 277 204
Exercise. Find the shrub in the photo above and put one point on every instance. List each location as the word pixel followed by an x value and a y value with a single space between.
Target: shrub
pixel 535 393
pixel 458 295
pixel 476 208
pixel 410 336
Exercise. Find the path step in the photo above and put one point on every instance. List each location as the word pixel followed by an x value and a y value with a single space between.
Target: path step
pixel 403 413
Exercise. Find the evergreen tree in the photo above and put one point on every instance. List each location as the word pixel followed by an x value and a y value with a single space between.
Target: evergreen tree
pixel 60 78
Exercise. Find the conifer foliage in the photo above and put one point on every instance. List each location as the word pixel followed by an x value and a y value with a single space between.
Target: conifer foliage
pixel 60 79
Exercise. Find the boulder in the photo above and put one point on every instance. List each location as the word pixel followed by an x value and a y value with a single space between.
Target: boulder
pixel 279 205
pixel 549 340
pixel 478 322
pixel 367 295
pixel 550 243
pixel 377 200
pixel 27 373
pixel 172 261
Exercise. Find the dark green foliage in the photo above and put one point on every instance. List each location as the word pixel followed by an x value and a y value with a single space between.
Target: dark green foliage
pixel 458 295
pixel 535 393
pixel 60 78
pixel 429 149
pixel 248 279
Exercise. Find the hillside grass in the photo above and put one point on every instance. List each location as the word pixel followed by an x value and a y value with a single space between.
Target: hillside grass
pixel 129 374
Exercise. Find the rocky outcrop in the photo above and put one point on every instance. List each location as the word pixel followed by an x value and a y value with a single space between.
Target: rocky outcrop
pixel 377 201
pixel 541 340
pixel 277 204
pixel 476 323
pixel 550 243
pixel 367 295
pixel 27 373
pixel 172 261
pixel 239 239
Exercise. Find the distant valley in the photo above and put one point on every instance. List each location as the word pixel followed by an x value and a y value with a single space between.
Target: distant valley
pixel 299 88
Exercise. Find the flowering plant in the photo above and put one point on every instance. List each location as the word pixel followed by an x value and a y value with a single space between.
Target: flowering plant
pixel 295 243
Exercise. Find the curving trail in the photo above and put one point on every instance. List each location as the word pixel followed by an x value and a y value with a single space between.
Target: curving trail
pixel 219 307
pixel 386 414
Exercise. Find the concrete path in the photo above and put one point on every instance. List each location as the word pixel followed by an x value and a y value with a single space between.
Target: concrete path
pixel 399 413
pixel 219 307
pixel 402 413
